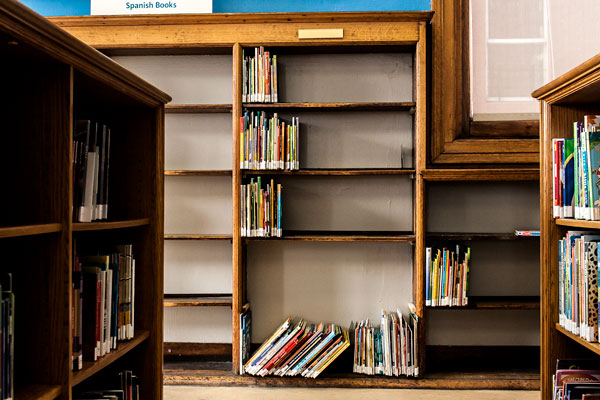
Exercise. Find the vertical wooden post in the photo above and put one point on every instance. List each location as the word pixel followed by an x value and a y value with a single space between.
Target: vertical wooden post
pixel 237 276
pixel 420 142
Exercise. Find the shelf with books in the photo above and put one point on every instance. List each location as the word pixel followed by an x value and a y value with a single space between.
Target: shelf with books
pixel 498 303
pixel 91 368
pixel 197 237
pixel 595 347
pixel 38 392
pixel 340 236
pixel 197 108
pixel 28 230
pixel 358 106
pixel 465 236
pixel 333 172
pixel 482 174
pixel 100 226
pixel 197 300
pixel 216 172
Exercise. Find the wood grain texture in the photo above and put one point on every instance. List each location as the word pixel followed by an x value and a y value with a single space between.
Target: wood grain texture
pixel 594 347
pixel 237 256
pixel 568 79
pixel 338 236
pixel 403 106
pixel 498 303
pixel 466 236
pixel 191 300
pixel 186 349
pixel 578 223
pixel 505 129
pixel 470 174
pixel 197 108
pixel 38 392
pixel 220 172
pixel 100 226
pixel 90 368
pixel 28 230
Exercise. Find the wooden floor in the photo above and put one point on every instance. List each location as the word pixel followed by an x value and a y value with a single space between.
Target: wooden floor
pixel 219 374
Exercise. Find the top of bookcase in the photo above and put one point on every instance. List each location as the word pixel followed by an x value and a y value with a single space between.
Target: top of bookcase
pixel 577 86
pixel 30 34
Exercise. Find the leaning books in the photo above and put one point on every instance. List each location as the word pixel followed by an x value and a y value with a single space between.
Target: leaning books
pixel 299 350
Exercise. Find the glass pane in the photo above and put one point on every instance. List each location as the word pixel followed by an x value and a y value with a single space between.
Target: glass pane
pixel 514 70
pixel 515 19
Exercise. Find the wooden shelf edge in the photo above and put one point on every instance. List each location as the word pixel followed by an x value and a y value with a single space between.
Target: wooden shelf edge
pixel 90 368
pixel 38 392
pixel 595 347
pixel 476 236
pixel 337 237
pixel 496 303
pixel 337 106
pixel 216 172
pixel 490 174
pixel 192 300
pixel 29 230
pixel 99 226
pixel 197 108
pixel 331 172
pixel 197 237
pixel 577 223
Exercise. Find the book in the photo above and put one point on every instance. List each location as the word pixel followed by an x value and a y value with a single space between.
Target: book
pixel 259 76
pixel 261 209
pixel 447 277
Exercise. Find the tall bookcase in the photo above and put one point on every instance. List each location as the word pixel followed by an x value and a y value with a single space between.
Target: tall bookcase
pixel 51 79
pixel 317 223
pixel 563 101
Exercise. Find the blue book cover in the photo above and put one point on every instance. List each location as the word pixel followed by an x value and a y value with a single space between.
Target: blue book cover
pixel 593 178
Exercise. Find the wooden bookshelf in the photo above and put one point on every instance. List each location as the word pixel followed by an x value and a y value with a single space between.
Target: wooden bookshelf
pixel 197 300
pixel 564 101
pixel 56 79
pixel 466 236
pixel 497 303
pixel 378 33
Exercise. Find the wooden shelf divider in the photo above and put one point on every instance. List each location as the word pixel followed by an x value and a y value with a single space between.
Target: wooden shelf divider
pixel 197 237
pixel 339 236
pixel 577 223
pixel 197 108
pixel 29 230
pixel 333 172
pixel 90 368
pixel 485 174
pixel 497 303
pixel 216 172
pixel 197 300
pixel 100 226
pixel 38 392
pixel 364 106
pixel 465 236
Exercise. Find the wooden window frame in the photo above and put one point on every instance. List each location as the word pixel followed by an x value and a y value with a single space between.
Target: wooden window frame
pixel 454 138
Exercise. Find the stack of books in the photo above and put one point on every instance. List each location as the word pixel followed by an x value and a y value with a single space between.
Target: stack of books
pixel 127 388
pixel 261 209
pixel 259 76
pixel 103 303
pixel 446 277
pixel 298 350
pixel 268 143
pixel 576 379
pixel 576 163
pixel 388 349
pixel 91 161
pixel 578 284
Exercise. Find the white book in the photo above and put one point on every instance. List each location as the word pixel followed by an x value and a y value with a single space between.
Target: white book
pixel 103 312
pixel 95 210
pixel 86 209
pixel 132 323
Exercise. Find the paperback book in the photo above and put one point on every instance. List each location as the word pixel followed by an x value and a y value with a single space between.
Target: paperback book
pixel 447 277
pixel 259 76
pixel 261 209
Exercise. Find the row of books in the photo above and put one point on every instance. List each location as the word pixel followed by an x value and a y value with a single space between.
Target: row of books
pixel 259 76
pixel 446 277
pixel 268 143
pixel 578 284
pixel 576 380
pixel 103 311
pixel 91 161
pixel 260 209
pixel 298 350
pixel 126 388
pixel 576 162
pixel 7 338
pixel 388 349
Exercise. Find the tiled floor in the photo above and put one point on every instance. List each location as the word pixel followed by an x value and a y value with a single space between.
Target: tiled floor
pixel 256 393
